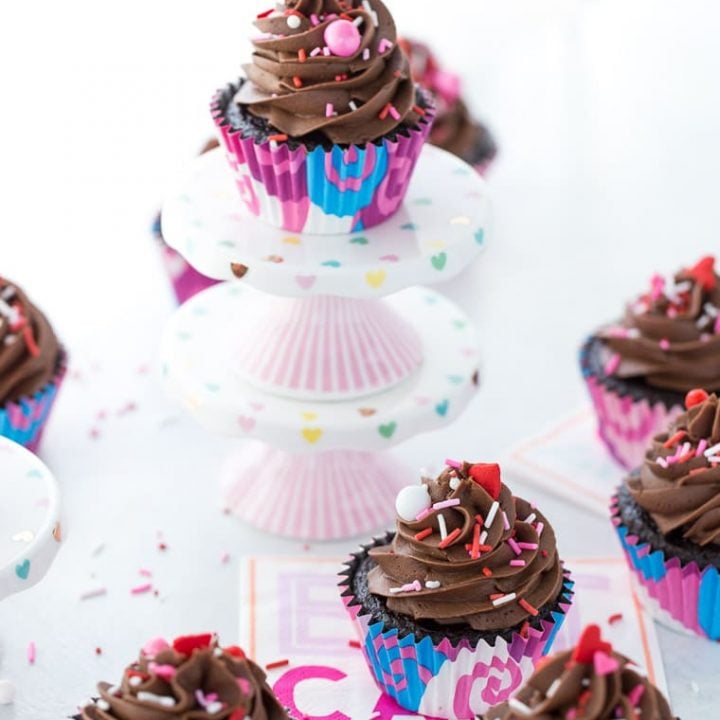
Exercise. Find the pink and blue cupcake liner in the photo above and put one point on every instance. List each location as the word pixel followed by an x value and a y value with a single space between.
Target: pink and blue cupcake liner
pixel 440 680
pixel 335 190
pixel 186 281
pixel 24 421
pixel 679 594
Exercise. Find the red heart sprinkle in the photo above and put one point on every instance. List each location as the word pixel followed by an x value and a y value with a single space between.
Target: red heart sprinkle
pixel 704 273
pixel 187 644
pixel 590 643
pixel 488 476
pixel 695 397
pixel 235 652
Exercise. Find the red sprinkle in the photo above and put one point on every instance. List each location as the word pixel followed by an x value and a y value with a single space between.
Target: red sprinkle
pixel 616 618
pixel 30 341
pixel 385 112
pixel 98 651
pixel 265 14
pixel 278 138
pixel 527 607
pixel 277 664
pixel 423 534
pixel 302 55
pixel 450 539
pixel 497 596
pixel 162 547
pixel 475 552
pixel 420 111
pixel 487 572
pixel 480 520
pixel 354 644
pixel 297 81
pixel 679 436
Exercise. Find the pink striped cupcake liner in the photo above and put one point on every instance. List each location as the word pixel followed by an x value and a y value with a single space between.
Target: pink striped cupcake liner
pixel 186 281
pixel 681 596
pixel 327 347
pixel 445 680
pixel 626 425
pixel 24 421
pixel 336 190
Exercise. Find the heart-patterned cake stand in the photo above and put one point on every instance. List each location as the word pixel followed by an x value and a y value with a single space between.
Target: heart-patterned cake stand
pixel 321 349
pixel 30 528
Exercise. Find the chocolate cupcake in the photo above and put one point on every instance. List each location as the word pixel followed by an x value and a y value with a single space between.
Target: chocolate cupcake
pixel 592 682
pixel 454 129
pixel 32 367
pixel 192 679
pixel 324 130
pixel 186 281
pixel 638 370
pixel 667 516
pixel 468 588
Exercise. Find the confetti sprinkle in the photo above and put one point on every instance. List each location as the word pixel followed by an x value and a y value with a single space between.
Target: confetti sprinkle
pixel 141 589
pixel 615 618
pixel 94 593
pixel 31 653
pixel 354 644
pixel 277 664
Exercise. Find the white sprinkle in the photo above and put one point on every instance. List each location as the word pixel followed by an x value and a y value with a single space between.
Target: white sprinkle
pixel 711 310
pixel 506 522
pixel 553 688
pixel 358 21
pixel 714 450
pixel 104 705
pixel 395 591
pixel 483 537
pixel 135 681
pixel 442 526
pixel 432 584
pixel 366 54
pixel 491 514
pixel 518 706
pixel 326 51
pixel 217 652
pixel 90 594
pixel 585 683
pixel 214 707
pixel 531 518
pixel 317 51
pixel 504 600
pixel 353 107
pixel 164 700
pixel 294 22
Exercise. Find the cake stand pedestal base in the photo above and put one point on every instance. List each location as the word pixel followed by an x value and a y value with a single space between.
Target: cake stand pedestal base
pixel 328 495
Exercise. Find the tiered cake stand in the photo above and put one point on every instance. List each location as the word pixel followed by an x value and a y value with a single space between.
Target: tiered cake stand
pixel 319 347
pixel 30 530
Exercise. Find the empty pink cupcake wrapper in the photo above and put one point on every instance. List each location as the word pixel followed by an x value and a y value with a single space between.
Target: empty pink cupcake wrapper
pixel 679 595
pixel 320 191
pixel 443 680
pixel 627 426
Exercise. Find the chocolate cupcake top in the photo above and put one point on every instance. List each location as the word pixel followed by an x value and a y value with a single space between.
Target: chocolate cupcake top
pixel 192 679
pixel 29 349
pixel 592 682
pixel 679 482
pixel 467 552
pixel 454 128
pixel 670 336
pixel 330 66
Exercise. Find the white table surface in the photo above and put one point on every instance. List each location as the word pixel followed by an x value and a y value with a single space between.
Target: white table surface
pixel 607 114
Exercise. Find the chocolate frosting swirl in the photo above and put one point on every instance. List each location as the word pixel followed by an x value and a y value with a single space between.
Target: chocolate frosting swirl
pixel 679 482
pixel 299 87
pixel 29 349
pixel 492 575
pixel 203 683
pixel 670 336
pixel 601 685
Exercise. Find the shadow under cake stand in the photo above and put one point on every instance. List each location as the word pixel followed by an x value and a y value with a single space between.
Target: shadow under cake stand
pixel 30 529
pixel 323 352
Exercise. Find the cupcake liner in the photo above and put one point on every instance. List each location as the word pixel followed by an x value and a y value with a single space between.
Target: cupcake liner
pixel 186 281
pixel 24 421
pixel 679 594
pixel 441 679
pixel 332 190
pixel 627 423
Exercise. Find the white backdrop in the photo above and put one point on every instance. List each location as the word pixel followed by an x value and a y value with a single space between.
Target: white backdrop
pixel 607 114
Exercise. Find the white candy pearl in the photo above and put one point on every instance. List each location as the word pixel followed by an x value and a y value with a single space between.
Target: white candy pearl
pixel 294 22
pixel 454 483
pixel 411 501
pixel 7 692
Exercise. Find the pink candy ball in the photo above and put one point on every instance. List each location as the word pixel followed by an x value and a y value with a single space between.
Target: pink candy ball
pixel 343 38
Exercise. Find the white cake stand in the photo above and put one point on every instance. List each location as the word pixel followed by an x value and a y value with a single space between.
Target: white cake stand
pixel 320 350
pixel 30 529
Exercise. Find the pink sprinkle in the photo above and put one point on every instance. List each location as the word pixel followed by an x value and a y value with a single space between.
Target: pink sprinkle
pixel 571 714
pixel 317 51
pixel 635 695
pixel 31 653
pixel 394 113
pixel 366 54
pixel 613 364
pixel 702 447
pixel 329 110
pixel 326 51
pixel 384 45
pixel 423 514
pixel 662 462
pixel 225 558
pixel 665 344
pixel 506 522
pixel 517 563
pixel 454 464
pixel 145 573
pixel 446 504
pixel 672 313
pixel 515 547
pixel 717 325
pixel 539 528
pixel 618 332
pixel 314 19
pixel 141 589
pixel 528 546
pixel 155 646
pixel 166 672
